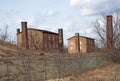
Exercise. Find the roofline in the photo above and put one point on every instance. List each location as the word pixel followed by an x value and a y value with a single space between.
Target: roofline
pixel 87 37
pixel 70 38
pixel 109 16
pixel 19 33
pixel 44 31
pixel 81 36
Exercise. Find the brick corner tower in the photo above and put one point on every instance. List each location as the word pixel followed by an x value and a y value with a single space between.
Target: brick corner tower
pixel 77 41
pixel 24 35
pixel 60 39
pixel 18 31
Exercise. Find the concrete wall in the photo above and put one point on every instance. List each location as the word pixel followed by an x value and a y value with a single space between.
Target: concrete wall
pixel 44 69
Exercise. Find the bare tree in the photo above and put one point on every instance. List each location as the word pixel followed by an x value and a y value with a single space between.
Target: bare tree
pixel 100 29
pixel 34 40
pixel 116 29
pixel 4 33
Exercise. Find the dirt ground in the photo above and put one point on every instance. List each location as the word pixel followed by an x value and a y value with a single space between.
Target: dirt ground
pixel 110 72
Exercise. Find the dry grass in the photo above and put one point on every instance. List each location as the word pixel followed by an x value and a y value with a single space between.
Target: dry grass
pixel 8 50
pixel 110 72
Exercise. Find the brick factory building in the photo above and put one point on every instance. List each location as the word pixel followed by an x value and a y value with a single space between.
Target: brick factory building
pixel 31 38
pixel 80 44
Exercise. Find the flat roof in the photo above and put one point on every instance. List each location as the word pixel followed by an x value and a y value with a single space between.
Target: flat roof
pixel 44 31
pixel 81 36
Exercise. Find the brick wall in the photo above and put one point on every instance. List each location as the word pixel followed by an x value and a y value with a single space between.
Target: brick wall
pixel 35 39
pixel 50 41
pixel 83 45
pixel 86 45
pixel 19 39
pixel 72 46
pixel 39 39
pixel 90 45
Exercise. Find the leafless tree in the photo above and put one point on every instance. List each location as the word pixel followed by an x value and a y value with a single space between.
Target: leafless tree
pixel 4 33
pixel 34 40
pixel 116 29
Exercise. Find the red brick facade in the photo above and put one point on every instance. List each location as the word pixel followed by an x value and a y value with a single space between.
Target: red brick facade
pixel 80 44
pixel 39 39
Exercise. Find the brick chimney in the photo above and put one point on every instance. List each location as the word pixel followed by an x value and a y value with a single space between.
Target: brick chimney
pixel 24 35
pixel 109 35
pixel 77 42
pixel 60 39
pixel 18 31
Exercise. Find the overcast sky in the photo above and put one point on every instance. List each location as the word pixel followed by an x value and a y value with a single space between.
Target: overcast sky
pixel 71 15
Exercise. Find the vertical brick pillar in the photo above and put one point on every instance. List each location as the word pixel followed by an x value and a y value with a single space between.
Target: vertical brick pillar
pixel 77 42
pixel 93 45
pixel 24 35
pixel 109 35
pixel 18 31
pixel 60 39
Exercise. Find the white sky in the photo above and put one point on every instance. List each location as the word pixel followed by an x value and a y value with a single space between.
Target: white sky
pixel 71 15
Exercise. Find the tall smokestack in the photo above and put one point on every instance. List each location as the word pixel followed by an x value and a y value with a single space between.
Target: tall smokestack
pixel 24 35
pixel 109 34
pixel 77 42
pixel 60 39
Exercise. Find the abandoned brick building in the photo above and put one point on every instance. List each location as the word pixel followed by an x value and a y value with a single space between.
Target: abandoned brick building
pixel 31 38
pixel 80 44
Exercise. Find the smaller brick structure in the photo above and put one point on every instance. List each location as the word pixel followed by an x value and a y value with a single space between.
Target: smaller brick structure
pixel 80 44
